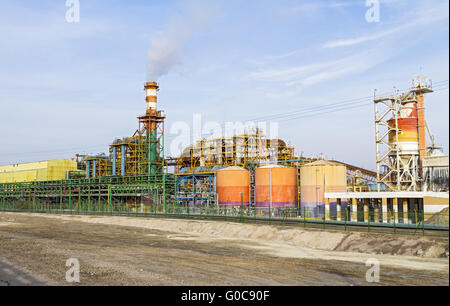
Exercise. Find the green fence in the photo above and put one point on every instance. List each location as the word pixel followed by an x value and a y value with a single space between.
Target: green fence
pixel 122 201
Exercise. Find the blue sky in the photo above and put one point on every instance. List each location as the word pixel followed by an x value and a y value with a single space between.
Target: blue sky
pixel 74 87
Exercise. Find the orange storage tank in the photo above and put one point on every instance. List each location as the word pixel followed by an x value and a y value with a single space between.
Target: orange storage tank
pixel 276 187
pixel 230 183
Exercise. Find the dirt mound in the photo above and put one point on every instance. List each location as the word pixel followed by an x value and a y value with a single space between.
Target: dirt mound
pixel 320 240
pixel 391 246
pixel 439 218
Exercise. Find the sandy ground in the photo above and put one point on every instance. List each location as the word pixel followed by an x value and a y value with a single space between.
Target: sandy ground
pixel 136 251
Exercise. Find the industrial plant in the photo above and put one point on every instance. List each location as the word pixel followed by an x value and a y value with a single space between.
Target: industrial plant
pixel 248 174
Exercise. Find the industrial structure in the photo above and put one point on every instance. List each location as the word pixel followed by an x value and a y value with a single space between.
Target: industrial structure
pixel 51 170
pixel 131 178
pixel 247 173
pixel 409 172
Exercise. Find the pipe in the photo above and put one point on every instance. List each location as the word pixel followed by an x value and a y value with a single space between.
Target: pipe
pixel 270 186
pixel 94 170
pixel 88 169
pixel 122 160
pixel 114 165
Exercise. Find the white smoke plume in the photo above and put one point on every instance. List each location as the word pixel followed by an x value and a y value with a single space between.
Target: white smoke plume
pixel 167 46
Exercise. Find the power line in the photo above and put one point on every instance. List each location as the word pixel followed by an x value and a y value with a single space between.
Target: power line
pixel 328 108
pixel 283 117
pixel 341 103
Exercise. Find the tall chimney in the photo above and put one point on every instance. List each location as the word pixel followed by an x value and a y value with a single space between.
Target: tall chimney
pixel 151 90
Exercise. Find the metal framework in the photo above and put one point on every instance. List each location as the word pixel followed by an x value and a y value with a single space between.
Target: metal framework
pixel 237 150
pixel 99 194
pixel 196 190
pixel 97 166
pixel 396 169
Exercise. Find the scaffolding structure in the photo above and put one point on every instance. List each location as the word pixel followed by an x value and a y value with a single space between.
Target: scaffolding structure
pixel 97 166
pixel 399 169
pixel 237 150
pixel 102 194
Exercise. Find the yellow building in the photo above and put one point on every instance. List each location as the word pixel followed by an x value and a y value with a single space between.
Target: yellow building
pixel 49 170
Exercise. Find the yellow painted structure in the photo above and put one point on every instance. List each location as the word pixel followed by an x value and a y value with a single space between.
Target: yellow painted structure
pixel 49 170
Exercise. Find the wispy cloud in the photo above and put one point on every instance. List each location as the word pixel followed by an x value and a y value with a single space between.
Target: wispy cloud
pixel 362 39
pixel 421 17
pixel 307 75
pixel 364 58
pixel 310 6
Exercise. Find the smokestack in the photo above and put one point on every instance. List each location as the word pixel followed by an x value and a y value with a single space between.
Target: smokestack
pixel 151 91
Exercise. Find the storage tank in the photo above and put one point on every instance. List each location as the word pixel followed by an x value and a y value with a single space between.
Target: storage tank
pixel 317 178
pixel 408 137
pixel 230 183
pixel 276 187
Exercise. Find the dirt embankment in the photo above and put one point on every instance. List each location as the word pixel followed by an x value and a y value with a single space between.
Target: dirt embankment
pixel 320 240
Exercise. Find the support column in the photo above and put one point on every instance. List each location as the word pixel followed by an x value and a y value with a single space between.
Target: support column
pixel 421 209
pixel 360 210
pixel 395 206
pixel 390 210
pixel 327 209
pixel 353 206
pixel 339 209
pixel 379 217
pixel 400 211
pixel 413 211
pixel 367 210
pixel 405 211
pixel 384 210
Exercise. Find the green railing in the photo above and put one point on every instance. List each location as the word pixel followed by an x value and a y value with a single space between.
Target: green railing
pixel 151 205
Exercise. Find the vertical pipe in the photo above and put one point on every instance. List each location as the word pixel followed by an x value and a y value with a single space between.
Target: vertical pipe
pixel 421 129
pixel 114 165
pixel 88 169
pixel 193 193
pixel 377 144
pixel 123 160
pixel 249 187
pixel 270 190
pixel 164 172
pixel 94 170
pixel 318 209
pixel 397 107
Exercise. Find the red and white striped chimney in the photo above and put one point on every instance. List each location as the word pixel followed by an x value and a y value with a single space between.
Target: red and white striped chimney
pixel 151 91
